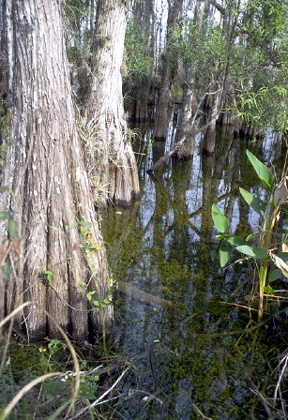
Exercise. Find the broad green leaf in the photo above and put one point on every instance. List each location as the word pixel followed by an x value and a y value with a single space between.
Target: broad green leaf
pixel 264 174
pixel 246 249
pixel 275 275
pixel 219 219
pixel 254 202
pixel 235 240
pixel 12 228
pixel 283 255
pixel 260 253
pixel 225 251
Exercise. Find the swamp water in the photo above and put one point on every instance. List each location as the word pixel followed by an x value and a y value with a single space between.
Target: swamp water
pixel 191 350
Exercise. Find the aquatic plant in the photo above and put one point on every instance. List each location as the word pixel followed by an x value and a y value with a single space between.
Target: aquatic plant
pixel 261 246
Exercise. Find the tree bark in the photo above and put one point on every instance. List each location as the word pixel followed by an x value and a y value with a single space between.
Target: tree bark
pixel 168 74
pixel 213 112
pixel 117 171
pixel 49 194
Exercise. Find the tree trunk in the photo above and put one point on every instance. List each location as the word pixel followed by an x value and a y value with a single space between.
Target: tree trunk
pixel 209 142
pixel 117 172
pixel 49 194
pixel 168 74
pixel 185 125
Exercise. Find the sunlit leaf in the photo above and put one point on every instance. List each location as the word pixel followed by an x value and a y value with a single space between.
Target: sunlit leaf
pixel 246 249
pixel 235 240
pixel 268 290
pixel 225 251
pixel 254 202
pixel 275 275
pixel 219 219
pixel 264 174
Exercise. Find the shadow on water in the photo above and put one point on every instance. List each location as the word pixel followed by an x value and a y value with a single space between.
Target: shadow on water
pixel 197 353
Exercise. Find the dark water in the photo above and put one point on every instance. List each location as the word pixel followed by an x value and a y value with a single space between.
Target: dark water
pixel 197 353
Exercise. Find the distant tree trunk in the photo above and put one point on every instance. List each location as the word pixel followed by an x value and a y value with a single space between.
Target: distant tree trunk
pixel 117 172
pixel 209 142
pixel 184 125
pixel 187 117
pixel 49 194
pixel 168 74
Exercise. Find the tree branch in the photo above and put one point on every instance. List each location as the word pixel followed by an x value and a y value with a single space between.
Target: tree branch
pixel 218 7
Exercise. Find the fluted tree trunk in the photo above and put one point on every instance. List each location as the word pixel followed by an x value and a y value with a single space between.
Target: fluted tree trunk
pixel 117 172
pixel 49 196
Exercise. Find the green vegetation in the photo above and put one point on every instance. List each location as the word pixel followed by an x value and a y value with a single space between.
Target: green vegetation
pixel 270 239
pixel 52 396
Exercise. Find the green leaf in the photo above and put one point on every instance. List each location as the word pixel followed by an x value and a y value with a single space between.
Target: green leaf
pixel 264 174
pixel 12 228
pixel 283 255
pixel 6 267
pixel 252 235
pixel 254 202
pixel 260 253
pixel 225 251
pixel 5 215
pixel 235 240
pixel 107 301
pixel 268 289
pixel 49 275
pixel 220 221
pixel 86 226
pixel 4 189
pixel 275 275
pixel 90 294
pixel 246 249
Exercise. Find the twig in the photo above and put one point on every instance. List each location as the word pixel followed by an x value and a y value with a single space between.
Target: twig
pixel 264 401
pixel 99 400
pixel 277 389
pixel 199 412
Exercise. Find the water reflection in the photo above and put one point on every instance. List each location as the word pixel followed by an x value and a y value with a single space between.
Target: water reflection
pixel 194 355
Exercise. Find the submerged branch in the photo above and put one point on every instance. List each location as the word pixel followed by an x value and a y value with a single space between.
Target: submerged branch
pixel 130 290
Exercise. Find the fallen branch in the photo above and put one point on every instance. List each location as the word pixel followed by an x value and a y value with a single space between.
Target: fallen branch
pixel 131 290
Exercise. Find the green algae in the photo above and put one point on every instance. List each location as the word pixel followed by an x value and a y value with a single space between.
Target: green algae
pixel 206 354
